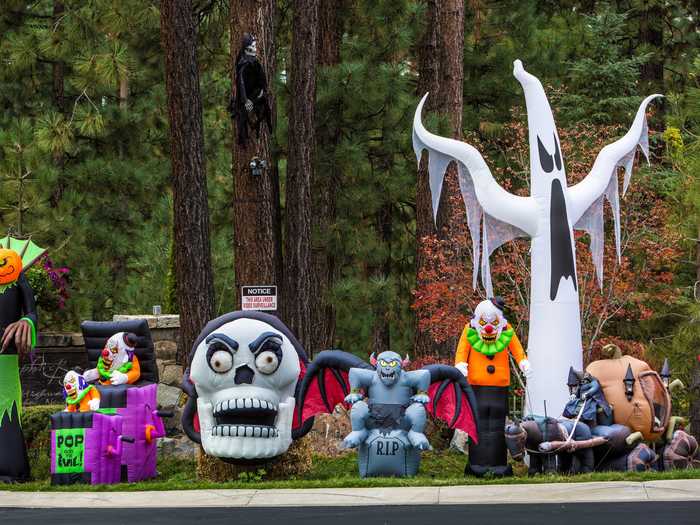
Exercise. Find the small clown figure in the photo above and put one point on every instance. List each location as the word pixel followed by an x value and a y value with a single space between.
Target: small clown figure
pixel 117 364
pixel 78 394
pixel 482 356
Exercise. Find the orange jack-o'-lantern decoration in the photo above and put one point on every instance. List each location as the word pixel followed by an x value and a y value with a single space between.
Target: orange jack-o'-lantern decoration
pixel 10 266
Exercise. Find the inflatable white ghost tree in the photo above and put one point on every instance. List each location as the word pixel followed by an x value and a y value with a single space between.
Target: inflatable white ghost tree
pixel 548 217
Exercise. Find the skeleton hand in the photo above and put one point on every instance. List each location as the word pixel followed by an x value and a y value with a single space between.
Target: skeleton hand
pixel 21 332
pixel 353 398
pixel 420 397
pixel 248 105
pixel 94 404
pixel 462 367
pixel 118 378
pixel 525 368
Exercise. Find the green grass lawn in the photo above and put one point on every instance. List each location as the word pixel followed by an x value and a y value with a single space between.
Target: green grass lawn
pixel 437 469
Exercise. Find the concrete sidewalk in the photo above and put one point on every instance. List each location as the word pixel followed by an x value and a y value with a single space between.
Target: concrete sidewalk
pixel 667 490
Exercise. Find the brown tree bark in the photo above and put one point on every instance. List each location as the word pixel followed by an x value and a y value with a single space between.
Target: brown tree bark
pixel 325 184
pixel 441 72
pixel 195 288
pixel 257 233
pixel 300 290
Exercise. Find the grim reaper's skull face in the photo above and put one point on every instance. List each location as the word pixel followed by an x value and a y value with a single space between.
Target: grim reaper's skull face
pixel 245 373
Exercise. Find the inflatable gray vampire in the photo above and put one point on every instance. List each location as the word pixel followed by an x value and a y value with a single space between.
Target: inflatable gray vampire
pixel 252 391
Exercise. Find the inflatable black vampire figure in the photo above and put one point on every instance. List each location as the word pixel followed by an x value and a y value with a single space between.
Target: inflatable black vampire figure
pixel 249 106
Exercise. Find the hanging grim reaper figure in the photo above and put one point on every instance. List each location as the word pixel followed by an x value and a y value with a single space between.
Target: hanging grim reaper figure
pixel 249 107
pixel 548 217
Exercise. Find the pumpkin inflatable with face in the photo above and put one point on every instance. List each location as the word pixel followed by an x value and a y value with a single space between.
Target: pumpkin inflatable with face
pixel 10 266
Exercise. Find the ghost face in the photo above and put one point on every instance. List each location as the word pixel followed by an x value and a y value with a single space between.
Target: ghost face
pixel 488 321
pixel 245 374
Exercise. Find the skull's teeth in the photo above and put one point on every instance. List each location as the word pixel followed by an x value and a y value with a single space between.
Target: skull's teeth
pixel 234 404
pixel 244 431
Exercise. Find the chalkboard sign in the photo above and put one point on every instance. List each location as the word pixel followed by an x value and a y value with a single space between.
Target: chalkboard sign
pixel 42 377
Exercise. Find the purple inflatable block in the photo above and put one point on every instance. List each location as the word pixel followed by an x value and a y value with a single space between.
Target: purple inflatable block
pixel 143 424
pixel 85 447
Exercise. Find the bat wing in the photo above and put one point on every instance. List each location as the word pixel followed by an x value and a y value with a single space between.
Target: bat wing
pixel 325 383
pixel 505 216
pixel 452 399
pixel 587 197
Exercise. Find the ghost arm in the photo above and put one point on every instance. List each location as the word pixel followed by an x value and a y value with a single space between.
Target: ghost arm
pixel 585 199
pixel 495 201
pixel 505 216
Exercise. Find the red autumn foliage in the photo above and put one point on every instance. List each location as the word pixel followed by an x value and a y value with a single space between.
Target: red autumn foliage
pixel 643 277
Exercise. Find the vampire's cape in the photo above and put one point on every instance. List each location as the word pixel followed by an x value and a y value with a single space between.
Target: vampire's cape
pixel 251 84
pixel 16 302
pixel 326 384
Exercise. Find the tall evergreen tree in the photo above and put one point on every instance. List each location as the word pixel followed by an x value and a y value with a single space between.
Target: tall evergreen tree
pixel 257 236
pixel 299 283
pixel 441 72
pixel 195 288
pixel 326 179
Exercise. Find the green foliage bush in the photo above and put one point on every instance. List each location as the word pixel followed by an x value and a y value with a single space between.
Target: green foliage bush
pixel 36 426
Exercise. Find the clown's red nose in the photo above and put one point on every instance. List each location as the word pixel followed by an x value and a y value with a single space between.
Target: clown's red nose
pixel 68 387
pixel 105 353
pixel 488 329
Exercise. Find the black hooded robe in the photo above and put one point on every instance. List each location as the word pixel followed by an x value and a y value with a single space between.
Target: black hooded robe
pixel 16 302
pixel 251 84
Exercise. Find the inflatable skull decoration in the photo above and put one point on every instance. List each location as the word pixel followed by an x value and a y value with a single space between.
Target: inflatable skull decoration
pixel 241 382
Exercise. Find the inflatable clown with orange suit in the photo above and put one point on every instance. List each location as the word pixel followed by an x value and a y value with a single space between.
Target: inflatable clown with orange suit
pixel 483 357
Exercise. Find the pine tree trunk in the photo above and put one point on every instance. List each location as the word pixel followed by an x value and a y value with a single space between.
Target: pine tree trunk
pixel 441 72
pixel 195 289
pixel 257 233
pixel 300 290
pixel 326 183
pixel 450 104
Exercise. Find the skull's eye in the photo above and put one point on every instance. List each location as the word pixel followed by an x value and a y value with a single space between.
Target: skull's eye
pixel 220 359
pixel 394 364
pixel 495 322
pixel 482 322
pixel 383 363
pixel 267 362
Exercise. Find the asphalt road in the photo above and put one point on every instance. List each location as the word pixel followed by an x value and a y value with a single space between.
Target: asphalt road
pixel 671 513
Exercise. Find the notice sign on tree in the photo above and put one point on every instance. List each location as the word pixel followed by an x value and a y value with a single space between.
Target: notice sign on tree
pixel 259 298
